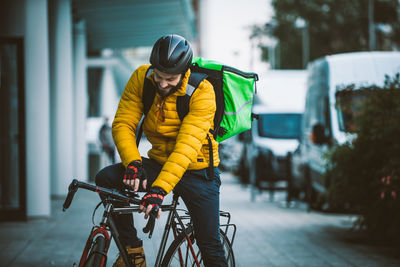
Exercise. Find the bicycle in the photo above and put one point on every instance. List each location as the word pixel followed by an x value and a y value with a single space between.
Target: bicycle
pixel 181 251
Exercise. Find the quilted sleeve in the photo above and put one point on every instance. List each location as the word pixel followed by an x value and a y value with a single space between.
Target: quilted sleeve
pixel 128 116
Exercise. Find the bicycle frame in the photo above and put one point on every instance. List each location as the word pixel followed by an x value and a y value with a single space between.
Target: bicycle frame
pixel 173 214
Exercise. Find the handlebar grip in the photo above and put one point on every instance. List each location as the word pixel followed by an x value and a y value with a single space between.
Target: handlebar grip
pixel 73 187
pixel 149 228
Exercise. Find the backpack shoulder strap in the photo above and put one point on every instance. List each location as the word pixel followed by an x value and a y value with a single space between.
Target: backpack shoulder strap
pixel 149 92
pixel 182 103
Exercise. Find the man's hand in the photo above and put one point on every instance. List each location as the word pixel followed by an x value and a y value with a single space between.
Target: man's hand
pixel 153 198
pixel 134 174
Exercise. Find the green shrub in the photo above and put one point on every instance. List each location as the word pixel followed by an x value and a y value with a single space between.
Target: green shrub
pixel 364 173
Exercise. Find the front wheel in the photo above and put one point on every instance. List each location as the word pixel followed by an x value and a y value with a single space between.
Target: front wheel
pixel 96 256
pixel 179 253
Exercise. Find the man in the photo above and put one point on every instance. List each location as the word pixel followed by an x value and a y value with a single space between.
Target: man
pixel 179 157
pixel 106 139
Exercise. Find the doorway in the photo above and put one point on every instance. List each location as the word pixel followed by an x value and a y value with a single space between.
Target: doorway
pixel 12 130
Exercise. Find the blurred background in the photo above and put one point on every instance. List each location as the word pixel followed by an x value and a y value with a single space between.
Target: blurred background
pixel 65 63
pixel 321 159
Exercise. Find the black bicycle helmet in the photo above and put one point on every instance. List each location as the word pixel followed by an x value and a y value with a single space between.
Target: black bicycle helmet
pixel 171 54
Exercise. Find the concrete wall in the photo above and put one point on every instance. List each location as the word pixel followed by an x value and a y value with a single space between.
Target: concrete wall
pixel 28 19
pixel 55 96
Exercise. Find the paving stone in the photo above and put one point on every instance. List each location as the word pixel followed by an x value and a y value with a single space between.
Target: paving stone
pixel 268 234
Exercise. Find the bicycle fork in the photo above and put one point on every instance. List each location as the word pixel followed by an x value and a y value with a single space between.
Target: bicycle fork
pixel 106 225
pixel 96 231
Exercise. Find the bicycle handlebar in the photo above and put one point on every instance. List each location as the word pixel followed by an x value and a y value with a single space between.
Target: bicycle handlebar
pixel 129 197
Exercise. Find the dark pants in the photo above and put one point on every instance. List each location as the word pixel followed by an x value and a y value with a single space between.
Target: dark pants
pixel 201 197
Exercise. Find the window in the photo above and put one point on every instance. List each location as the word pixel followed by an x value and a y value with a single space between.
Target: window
pixel 348 106
pixel 280 125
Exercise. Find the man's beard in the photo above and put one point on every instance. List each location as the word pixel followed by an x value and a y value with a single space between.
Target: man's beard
pixel 171 91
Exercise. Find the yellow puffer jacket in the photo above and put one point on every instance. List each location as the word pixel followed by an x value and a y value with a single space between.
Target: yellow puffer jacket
pixel 177 145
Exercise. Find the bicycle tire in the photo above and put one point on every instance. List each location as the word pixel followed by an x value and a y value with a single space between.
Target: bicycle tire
pixel 96 256
pixel 171 258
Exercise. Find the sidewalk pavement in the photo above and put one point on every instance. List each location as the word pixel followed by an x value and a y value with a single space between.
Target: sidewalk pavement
pixel 268 234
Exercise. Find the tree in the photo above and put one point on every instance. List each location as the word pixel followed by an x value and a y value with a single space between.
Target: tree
pixel 334 27
pixel 364 174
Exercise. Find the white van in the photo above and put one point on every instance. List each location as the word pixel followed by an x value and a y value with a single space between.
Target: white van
pixel 279 105
pixel 324 122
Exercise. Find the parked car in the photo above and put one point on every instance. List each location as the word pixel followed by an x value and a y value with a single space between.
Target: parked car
pixel 274 135
pixel 324 122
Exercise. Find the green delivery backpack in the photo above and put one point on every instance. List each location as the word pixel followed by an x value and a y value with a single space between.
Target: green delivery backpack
pixel 234 91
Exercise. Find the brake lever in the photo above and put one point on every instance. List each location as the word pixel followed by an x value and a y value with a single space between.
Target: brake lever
pixel 149 228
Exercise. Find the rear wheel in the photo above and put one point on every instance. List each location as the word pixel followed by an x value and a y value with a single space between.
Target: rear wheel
pixel 179 254
pixel 97 256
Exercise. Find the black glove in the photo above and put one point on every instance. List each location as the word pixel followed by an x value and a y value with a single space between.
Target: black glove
pixel 134 171
pixel 153 197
